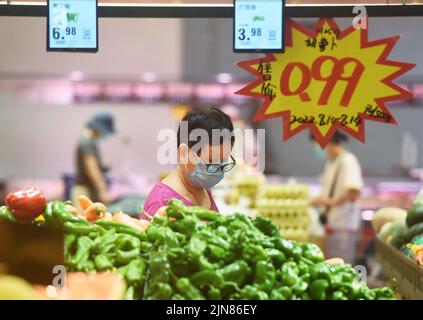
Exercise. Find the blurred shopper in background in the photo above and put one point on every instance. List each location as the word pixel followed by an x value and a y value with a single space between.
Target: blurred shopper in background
pixel 90 176
pixel 202 163
pixel 337 203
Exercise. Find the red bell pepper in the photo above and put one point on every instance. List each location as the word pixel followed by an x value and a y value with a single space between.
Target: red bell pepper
pixel 27 204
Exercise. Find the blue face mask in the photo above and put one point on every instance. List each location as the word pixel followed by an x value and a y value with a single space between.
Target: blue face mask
pixel 202 179
pixel 319 152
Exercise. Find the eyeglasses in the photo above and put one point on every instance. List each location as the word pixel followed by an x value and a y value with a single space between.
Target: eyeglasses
pixel 216 167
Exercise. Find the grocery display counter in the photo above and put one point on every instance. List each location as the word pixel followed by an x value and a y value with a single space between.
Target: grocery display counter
pixel 395 265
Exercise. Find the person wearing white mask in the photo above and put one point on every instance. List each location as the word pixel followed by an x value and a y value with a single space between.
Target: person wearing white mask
pixel 338 200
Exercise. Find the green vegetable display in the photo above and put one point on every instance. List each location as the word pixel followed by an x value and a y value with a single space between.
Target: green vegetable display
pixel 198 254
pixel 195 253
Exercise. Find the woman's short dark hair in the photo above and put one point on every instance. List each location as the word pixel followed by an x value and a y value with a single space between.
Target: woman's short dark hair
pixel 207 119
pixel 337 138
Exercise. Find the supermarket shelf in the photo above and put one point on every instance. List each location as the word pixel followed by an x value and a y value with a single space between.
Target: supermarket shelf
pixel 395 265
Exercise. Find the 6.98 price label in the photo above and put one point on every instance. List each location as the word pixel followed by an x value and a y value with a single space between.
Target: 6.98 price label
pixel 60 34
pixel 327 79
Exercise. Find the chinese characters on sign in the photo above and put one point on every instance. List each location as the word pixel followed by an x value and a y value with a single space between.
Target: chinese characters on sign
pixel 325 39
pixel 326 80
pixel 267 88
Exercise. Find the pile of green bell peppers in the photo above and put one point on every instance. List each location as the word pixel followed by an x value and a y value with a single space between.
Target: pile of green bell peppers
pixel 194 253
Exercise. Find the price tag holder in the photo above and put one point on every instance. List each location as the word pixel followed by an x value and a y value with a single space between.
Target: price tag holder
pixel 258 25
pixel 72 25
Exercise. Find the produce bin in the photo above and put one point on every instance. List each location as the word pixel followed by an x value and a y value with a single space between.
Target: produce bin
pixel 394 264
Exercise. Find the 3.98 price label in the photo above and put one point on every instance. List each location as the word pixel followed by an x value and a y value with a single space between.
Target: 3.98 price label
pixel 327 79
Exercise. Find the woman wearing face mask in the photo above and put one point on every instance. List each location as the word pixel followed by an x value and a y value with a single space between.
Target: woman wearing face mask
pixel 205 140
pixel 341 187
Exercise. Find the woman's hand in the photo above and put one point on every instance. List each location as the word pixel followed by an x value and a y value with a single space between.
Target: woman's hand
pixel 325 202
pixel 318 202
pixel 162 211
pixel 330 203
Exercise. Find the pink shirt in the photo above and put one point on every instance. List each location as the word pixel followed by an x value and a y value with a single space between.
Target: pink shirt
pixel 161 194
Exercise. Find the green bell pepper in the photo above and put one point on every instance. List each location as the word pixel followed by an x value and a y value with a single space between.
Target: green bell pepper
pixel 312 252
pixel 281 293
pixel 186 226
pixel 135 271
pixel 250 292
pixel 129 294
pixel 6 215
pixel 216 252
pixel 102 262
pixel 122 228
pixel 277 256
pixel 204 264
pixel 202 213
pixel 206 277
pixel 253 253
pixel 266 226
pixel 320 271
pixel 188 290
pixel 175 209
pixel 86 266
pixel 299 287
pixel 82 228
pixel 214 293
pixel 124 257
pixel 288 247
pixel 338 295
pixel 68 241
pixel 82 253
pixel 318 289
pixel 196 246
pixel 228 288
pixel 305 296
pixel 236 272
pixel 289 274
pixel 159 268
pixel 265 275
pixel 160 291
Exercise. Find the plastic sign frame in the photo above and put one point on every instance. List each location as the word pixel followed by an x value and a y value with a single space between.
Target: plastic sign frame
pixel 92 50
pixel 264 50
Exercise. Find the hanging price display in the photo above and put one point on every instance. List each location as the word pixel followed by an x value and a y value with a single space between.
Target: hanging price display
pixel 326 80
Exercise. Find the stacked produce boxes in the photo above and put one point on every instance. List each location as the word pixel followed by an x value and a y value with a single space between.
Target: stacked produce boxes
pixel 247 187
pixel 287 206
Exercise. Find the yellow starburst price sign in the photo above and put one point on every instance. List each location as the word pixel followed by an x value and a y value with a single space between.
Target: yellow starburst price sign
pixel 327 79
